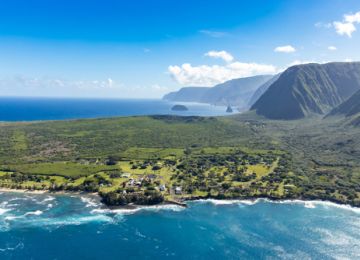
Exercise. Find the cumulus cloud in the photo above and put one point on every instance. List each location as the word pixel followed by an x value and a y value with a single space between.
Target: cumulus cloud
pixel 344 28
pixel 332 48
pixel 285 49
pixel 352 18
pixel 205 75
pixel 347 26
pixel 220 54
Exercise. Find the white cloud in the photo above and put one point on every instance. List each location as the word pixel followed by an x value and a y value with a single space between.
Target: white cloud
pixel 352 18
pixel 220 54
pixel 205 75
pixel 285 49
pixel 347 26
pixel 332 48
pixel 344 28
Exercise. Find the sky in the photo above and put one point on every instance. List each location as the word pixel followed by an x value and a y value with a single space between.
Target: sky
pixel 144 49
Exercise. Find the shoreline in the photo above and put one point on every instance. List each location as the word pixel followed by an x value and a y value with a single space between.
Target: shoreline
pixel 183 201
pixel 25 191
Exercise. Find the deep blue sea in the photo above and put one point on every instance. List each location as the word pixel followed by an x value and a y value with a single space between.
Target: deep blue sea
pixel 29 109
pixel 77 227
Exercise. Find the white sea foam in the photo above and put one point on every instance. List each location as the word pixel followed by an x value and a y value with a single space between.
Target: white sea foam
pixel 137 209
pixel 18 246
pixel 227 202
pixel 3 211
pixel 89 202
pixel 311 204
pixel 315 203
pixel 33 213
pixel 11 217
pixel 76 220
pixel 47 199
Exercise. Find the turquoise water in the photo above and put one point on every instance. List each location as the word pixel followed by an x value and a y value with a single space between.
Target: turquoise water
pixel 28 109
pixel 72 227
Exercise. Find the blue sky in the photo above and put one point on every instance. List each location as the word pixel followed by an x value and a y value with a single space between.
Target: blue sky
pixel 143 49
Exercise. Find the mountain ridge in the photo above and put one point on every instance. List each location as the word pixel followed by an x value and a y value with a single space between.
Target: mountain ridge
pixel 307 89
pixel 235 92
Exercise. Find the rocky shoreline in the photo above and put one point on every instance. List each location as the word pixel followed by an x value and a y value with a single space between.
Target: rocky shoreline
pixel 182 202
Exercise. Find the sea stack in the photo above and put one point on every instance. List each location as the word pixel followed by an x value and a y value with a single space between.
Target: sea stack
pixel 179 108
pixel 229 109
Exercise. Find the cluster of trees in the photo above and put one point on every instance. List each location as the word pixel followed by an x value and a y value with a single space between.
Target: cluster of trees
pixel 123 197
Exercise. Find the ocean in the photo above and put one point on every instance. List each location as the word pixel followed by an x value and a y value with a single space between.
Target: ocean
pixel 30 109
pixel 77 227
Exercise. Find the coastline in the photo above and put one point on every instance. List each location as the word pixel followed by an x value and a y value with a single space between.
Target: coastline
pixel 309 203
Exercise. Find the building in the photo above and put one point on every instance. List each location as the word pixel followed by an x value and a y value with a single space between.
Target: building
pixel 178 190
pixel 125 175
pixel 162 187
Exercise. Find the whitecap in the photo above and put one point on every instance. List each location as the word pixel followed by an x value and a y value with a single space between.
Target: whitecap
pixel 47 199
pixel 34 213
pixel 3 211
pixel 227 202
pixel 314 203
pixel 77 220
pixel 310 204
pixel 89 202
pixel 18 246
pixel 12 217
pixel 125 211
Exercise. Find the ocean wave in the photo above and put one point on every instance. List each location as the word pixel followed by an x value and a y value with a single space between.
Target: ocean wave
pixel 47 199
pixel 227 202
pixel 18 246
pixel 314 203
pixel 125 211
pixel 3 211
pixel 33 213
pixel 310 204
pixel 90 203
pixel 75 220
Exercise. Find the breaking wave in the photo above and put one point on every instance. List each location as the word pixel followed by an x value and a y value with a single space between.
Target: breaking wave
pixel 311 204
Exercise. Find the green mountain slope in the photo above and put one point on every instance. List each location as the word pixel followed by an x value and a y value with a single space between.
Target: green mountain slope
pixel 308 89
pixel 262 89
pixel 350 108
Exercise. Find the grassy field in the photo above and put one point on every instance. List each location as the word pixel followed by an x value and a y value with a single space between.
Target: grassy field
pixel 238 156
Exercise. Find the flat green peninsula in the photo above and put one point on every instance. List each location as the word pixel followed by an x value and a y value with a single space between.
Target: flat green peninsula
pixel 154 159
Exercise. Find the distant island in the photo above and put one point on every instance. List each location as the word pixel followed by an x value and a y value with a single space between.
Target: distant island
pixel 179 108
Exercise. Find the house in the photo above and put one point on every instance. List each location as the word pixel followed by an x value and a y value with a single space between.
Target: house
pixel 178 190
pixel 131 182
pixel 125 175
pixel 162 187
